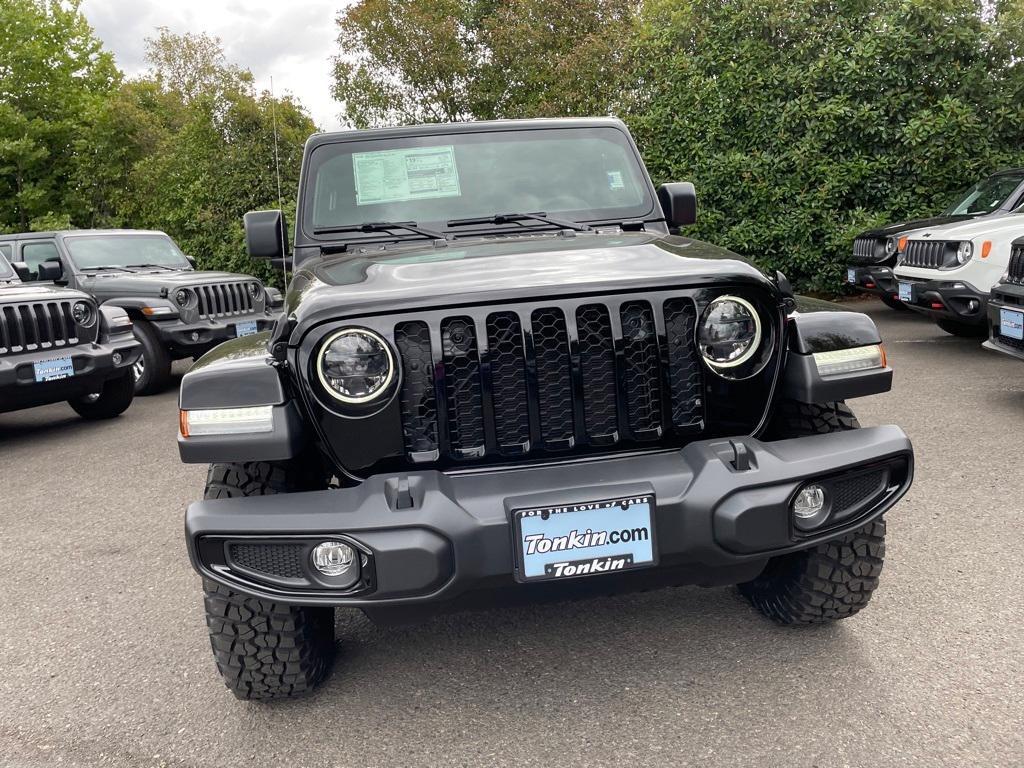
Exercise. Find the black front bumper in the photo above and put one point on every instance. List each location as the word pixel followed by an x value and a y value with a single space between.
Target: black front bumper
pixel 93 365
pixel 428 538
pixel 874 279
pixel 947 299
pixel 1010 297
pixel 194 339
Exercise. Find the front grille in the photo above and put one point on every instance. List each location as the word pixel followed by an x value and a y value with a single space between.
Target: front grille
pixel 36 326
pixel 1015 271
pixel 224 299
pixel 281 560
pixel 930 254
pixel 521 379
pixel 866 248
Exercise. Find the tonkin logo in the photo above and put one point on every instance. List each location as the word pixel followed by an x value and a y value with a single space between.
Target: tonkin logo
pixel 584 567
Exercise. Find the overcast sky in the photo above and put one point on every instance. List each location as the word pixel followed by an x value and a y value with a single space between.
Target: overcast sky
pixel 291 41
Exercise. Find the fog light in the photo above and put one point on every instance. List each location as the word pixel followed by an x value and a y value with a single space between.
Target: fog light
pixel 337 560
pixel 809 503
pixel 116 358
pixel 195 336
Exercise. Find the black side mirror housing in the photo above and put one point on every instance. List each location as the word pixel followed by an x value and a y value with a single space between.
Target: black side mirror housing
pixel 21 270
pixel 49 272
pixel 265 234
pixel 192 261
pixel 679 203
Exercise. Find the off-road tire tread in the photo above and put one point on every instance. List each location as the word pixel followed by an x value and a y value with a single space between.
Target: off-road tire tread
pixel 832 581
pixel 114 399
pixel 266 650
pixel 795 419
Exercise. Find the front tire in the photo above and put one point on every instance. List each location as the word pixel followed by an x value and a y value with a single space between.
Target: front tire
pixel 152 371
pixel 963 330
pixel 265 649
pixel 113 400
pixel 835 579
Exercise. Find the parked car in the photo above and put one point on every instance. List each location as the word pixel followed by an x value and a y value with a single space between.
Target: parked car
pixel 874 251
pixel 56 345
pixel 946 273
pixel 500 377
pixel 178 312
pixel 1006 306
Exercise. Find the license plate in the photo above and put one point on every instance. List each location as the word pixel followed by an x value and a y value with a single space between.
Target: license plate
pixel 584 539
pixel 851 276
pixel 1011 324
pixel 906 291
pixel 246 329
pixel 54 370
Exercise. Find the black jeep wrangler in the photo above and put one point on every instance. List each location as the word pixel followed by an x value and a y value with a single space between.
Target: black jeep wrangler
pixel 1006 307
pixel 56 345
pixel 500 377
pixel 875 251
pixel 178 312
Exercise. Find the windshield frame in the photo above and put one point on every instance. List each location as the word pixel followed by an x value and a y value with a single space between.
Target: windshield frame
pixel 374 140
pixel 1015 195
pixel 69 244
pixel 7 272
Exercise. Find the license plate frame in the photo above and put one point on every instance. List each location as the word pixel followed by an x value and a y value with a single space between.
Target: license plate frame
pixel 1011 324
pixel 54 369
pixel 247 328
pixel 584 554
pixel 906 292
pixel 851 276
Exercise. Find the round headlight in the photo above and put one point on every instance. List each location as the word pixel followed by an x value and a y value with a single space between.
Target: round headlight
pixel 891 246
pixel 730 332
pixel 355 365
pixel 182 297
pixel 965 251
pixel 254 289
pixel 82 314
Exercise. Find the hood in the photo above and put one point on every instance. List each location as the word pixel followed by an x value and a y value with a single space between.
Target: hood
pixel 151 282
pixel 508 269
pixel 977 228
pixel 902 227
pixel 20 292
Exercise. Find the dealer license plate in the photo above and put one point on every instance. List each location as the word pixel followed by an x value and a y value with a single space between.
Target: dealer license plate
pixel 1011 324
pixel 246 329
pixel 584 539
pixel 851 276
pixel 55 369
pixel 906 291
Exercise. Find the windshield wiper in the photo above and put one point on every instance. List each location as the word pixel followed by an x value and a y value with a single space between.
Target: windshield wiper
pixel 118 267
pixel 514 218
pixel 154 266
pixel 381 226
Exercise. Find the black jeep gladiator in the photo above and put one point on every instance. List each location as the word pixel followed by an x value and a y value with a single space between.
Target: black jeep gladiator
pixel 875 251
pixel 57 345
pixel 500 377
pixel 1006 307
pixel 178 312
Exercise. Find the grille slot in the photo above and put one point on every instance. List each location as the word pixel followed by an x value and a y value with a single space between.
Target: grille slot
pixel 850 492
pixel 37 326
pixel 281 560
pixel 224 299
pixel 864 248
pixel 1015 270
pixel 930 254
pixel 523 379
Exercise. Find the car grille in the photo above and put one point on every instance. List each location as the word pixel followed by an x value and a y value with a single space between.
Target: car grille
pixel 224 299
pixel 281 560
pixel 1015 271
pixel 865 249
pixel 39 325
pixel 930 254
pixel 514 380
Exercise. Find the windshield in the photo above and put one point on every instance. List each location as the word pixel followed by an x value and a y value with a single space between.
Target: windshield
pixel 125 251
pixel 578 174
pixel 987 195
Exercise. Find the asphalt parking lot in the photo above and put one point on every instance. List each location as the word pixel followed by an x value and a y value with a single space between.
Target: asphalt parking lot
pixel 106 659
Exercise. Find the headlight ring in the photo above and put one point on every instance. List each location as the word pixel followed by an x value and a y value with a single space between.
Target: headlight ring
pixel 83 314
pixel 356 366
pixel 730 333
pixel 184 298
pixel 965 251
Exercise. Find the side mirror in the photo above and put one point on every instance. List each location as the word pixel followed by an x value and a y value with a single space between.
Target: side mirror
pixel 49 272
pixel 21 270
pixel 679 203
pixel 265 234
pixel 192 261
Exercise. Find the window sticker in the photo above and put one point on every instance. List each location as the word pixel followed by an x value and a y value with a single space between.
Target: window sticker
pixel 615 180
pixel 397 175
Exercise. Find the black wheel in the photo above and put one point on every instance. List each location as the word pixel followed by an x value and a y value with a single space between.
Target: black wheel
pixel 153 368
pixel 892 303
pixel 963 330
pixel 835 579
pixel 265 649
pixel 113 400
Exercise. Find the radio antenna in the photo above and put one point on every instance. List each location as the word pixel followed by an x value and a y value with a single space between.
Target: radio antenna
pixel 277 174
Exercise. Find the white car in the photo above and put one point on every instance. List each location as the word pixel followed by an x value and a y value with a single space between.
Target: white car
pixel 947 272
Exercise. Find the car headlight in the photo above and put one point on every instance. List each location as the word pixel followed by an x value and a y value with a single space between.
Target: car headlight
pixel 730 332
pixel 255 289
pixel 964 252
pixel 355 365
pixel 891 246
pixel 82 313
pixel 183 297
